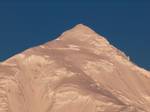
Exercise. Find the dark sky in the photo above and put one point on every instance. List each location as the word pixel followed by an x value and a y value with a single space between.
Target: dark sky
pixel 125 23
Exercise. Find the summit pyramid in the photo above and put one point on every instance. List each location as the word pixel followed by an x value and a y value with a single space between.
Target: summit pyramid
pixel 80 71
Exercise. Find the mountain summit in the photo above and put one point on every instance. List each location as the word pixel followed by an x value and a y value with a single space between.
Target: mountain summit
pixel 80 71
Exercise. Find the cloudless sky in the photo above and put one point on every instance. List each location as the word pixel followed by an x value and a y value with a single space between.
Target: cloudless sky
pixel 27 23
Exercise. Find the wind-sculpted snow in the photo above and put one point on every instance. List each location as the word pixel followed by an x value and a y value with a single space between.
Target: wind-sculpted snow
pixel 78 72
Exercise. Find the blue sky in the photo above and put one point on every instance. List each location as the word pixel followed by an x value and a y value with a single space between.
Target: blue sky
pixel 125 23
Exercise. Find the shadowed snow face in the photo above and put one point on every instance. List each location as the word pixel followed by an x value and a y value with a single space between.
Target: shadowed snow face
pixel 78 72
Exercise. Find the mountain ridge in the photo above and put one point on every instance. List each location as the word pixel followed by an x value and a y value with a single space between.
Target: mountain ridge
pixel 80 71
